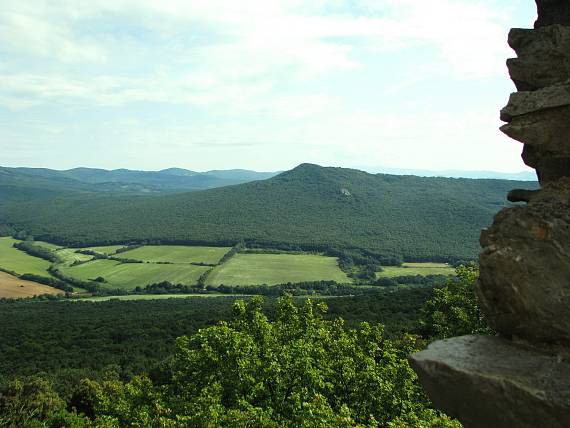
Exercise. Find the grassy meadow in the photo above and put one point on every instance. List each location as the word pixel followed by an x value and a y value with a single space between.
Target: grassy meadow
pixel 423 269
pixel 130 297
pixel 176 254
pixel 109 249
pixel 271 269
pixel 14 260
pixel 47 245
pixel 69 255
pixel 127 276
pixel 179 265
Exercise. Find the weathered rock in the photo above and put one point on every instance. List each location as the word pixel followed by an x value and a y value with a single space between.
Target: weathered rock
pixel 524 282
pixel 543 57
pixel 521 195
pixel 521 103
pixel 548 129
pixel 552 12
pixel 548 168
pixel 546 135
pixel 490 382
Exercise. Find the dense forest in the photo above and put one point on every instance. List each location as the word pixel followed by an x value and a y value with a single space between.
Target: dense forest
pixel 285 363
pixel 81 339
pixel 309 207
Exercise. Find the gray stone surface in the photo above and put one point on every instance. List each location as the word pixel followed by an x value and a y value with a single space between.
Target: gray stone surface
pixel 524 282
pixel 521 103
pixel 548 168
pixel 552 12
pixel 546 135
pixel 489 382
pixel 543 57
pixel 548 130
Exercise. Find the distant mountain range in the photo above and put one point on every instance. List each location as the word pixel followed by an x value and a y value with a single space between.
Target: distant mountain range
pixel 520 176
pixel 170 180
pixel 309 207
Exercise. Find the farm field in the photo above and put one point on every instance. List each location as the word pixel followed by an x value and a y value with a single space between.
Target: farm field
pixel 47 245
pixel 127 276
pixel 176 254
pixel 17 261
pixel 15 288
pixel 158 297
pixel 272 269
pixel 416 269
pixel 109 250
pixel 68 255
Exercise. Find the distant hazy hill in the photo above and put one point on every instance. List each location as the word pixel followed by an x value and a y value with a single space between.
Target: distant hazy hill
pixel 310 206
pixel 520 176
pixel 128 181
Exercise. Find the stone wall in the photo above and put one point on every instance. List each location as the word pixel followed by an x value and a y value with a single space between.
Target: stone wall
pixel 521 377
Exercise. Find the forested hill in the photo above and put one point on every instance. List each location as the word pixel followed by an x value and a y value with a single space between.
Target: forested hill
pixel 172 180
pixel 311 206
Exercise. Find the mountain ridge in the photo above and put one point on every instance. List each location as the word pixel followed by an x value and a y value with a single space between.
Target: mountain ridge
pixel 171 180
pixel 309 207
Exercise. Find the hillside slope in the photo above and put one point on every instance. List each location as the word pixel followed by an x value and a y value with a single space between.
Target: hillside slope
pixel 310 206
pixel 172 180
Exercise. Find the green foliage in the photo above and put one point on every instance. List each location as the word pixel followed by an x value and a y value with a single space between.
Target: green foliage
pixel 36 251
pixel 111 402
pixel 267 366
pixel 453 310
pixel 300 370
pixel 34 403
pixel 71 340
pixel 395 216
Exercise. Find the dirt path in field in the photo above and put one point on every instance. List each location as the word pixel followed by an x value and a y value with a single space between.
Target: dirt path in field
pixel 13 287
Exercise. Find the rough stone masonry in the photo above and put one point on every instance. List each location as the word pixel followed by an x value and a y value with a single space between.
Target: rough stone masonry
pixel 521 377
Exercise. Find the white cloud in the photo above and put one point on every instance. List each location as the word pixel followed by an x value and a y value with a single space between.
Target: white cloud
pixel 258 39
pixel 262 72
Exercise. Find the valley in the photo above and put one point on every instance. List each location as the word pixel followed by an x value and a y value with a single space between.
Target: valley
pixel 114 275
pixel 312 229
pixel 157 269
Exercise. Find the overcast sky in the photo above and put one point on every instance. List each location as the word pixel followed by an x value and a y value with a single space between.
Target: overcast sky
pixel 258 84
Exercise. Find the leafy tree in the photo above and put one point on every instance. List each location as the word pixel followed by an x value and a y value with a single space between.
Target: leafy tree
pixel 300 370
pixel 34 403
pixel 453 310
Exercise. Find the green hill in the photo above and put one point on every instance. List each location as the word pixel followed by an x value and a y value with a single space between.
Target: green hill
pixel 309 206
pixel 172 180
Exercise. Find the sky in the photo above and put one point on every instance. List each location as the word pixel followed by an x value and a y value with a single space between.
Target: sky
pixel 257 84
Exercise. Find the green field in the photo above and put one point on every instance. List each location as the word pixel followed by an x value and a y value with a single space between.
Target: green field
pixel 423 269
pixel 69 255
pixel 271 269
pixel 157 297
pixel 130 275
pixel 47 245
pixel 110 249
pixel 19 262
pixel 176 254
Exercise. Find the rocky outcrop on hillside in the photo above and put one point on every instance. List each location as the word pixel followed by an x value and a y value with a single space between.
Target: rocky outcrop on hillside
pixel 521 378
